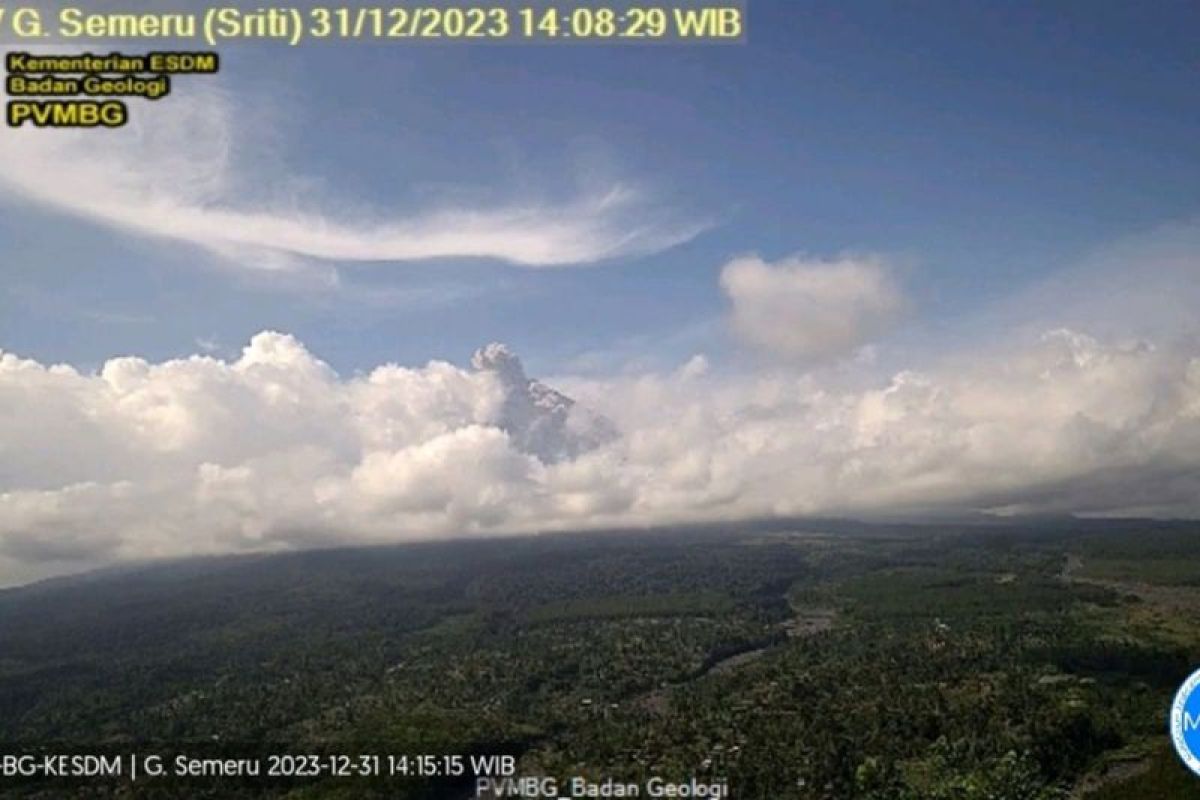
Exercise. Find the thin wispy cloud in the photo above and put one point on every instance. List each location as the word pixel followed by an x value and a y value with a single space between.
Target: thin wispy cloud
pixel 178 174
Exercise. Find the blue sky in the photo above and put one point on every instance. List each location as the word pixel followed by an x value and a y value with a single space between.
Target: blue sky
pixel 979 145
pixel 884 261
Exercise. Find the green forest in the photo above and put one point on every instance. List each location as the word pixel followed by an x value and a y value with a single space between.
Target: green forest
pixel 823 660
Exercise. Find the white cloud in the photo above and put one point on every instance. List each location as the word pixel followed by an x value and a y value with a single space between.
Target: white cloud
pixel 808 309
pixel 186 173
pixel 275 450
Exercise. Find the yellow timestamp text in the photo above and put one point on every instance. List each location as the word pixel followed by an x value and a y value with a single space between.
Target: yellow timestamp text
pixel 448 20
pixel 677 23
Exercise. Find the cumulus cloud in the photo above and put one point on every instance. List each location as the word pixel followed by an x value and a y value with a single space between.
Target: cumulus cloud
pixel 185 174
pixel 808 309
pixel 274 449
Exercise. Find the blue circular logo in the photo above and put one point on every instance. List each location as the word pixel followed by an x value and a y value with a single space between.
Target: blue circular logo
pixel 1185 722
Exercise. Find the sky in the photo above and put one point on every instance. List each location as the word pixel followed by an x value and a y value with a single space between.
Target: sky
pixel 876 261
